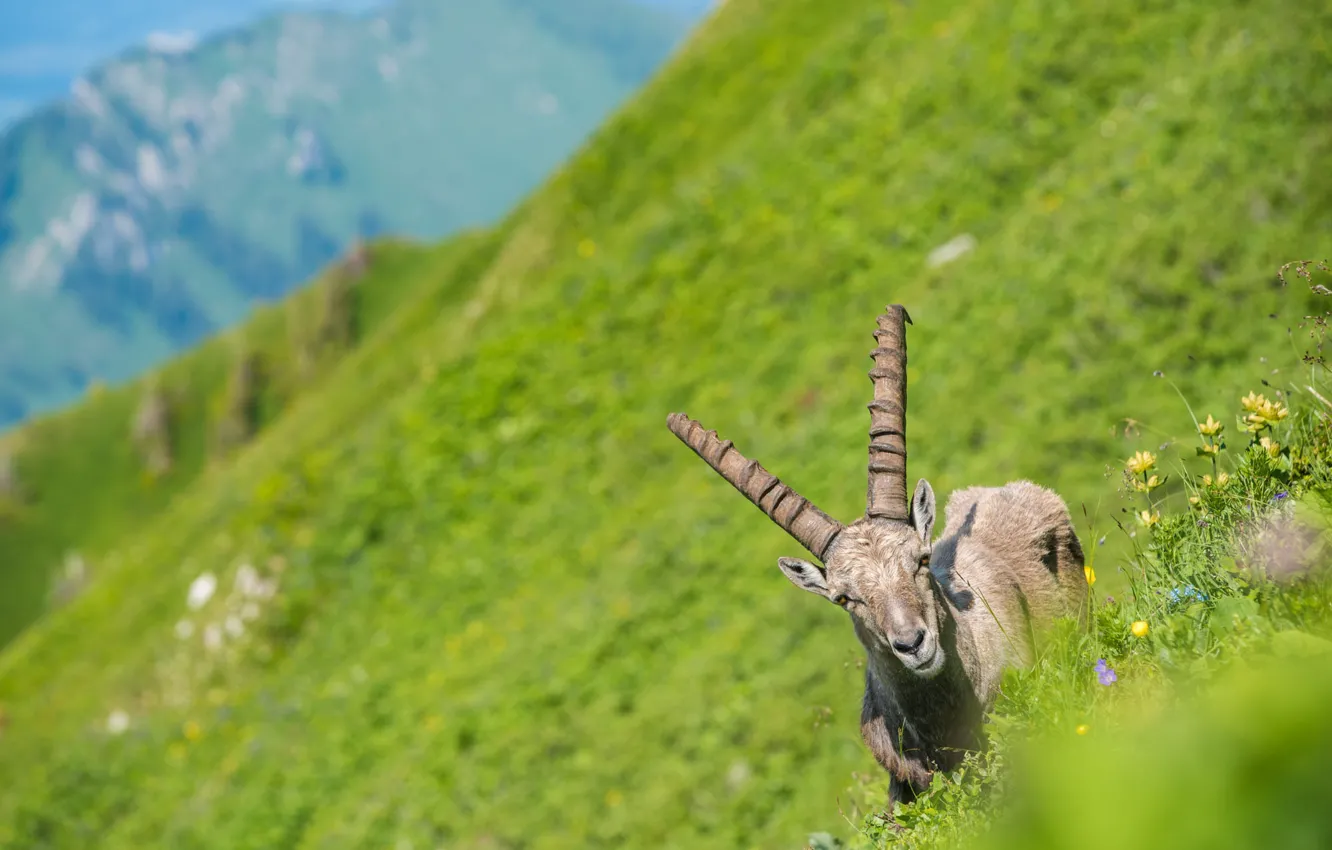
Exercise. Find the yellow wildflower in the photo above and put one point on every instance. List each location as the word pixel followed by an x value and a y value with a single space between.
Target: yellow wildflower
pixel 192 730
pixel 1140 462
pixel 1194 500
pixel 1083 729
pixel 587 249
pixel 1090 574
pixel 1139 628
pixel 1219 482
pixel 614 798
pixel 1272 411
pixel 1209 449
pixel 1262 413
pixel 1148 485
pixel 1211 427
pixel 1272 447
pixel 1149 519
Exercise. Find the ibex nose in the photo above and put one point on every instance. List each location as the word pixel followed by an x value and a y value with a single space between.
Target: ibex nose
pixel 910 647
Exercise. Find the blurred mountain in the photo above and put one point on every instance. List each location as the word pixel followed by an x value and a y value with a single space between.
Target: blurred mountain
pixel 181 182
pixel 44 47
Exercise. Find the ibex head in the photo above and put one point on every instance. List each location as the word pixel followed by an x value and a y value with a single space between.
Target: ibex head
pixel 878 567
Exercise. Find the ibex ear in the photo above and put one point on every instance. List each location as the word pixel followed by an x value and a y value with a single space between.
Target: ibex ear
pixel 805 575
pixel 922 510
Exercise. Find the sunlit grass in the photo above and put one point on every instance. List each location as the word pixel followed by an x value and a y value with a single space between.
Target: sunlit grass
pixel 513 612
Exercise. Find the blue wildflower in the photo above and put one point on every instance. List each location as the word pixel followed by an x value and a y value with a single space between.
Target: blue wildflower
pixel 1180 595
pixel 1279 496
pixel 1104 673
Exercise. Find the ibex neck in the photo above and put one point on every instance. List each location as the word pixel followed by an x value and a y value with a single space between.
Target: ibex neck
pixel 940 708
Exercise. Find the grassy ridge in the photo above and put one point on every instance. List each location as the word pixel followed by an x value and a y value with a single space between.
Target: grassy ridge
pixel 512 610
pixel 70 503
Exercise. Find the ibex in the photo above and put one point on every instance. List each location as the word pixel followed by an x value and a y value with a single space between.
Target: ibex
pixel 939 620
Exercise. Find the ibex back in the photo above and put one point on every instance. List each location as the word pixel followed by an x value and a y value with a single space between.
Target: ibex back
pixel 941 620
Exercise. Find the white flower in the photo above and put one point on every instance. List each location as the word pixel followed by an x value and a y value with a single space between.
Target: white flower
pixel 201 590
pixel 247 580
pixel 212 637
pixel 75 568
pixel 249 611
pixel 184 629
pixel 234 626
pixel 118 722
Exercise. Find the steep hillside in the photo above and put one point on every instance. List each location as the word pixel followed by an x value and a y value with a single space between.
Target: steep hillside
pixel 176 189
pixel 503 606
pixel 56 504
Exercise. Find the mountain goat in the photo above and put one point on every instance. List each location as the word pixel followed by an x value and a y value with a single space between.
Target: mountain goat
pixel 940 620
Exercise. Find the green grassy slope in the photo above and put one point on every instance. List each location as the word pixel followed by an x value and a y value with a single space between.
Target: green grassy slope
pixel 513 611
pixel 83 483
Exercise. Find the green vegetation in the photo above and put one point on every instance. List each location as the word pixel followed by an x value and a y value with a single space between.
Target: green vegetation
pixel 84 500
pixel 240 416
pixel 469 590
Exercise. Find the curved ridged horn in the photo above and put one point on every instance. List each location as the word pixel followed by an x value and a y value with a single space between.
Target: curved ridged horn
pixel 811 527
pixel 887 498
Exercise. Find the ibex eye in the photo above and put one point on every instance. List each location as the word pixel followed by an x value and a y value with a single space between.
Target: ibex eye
pixel 841 599
pixel 925 559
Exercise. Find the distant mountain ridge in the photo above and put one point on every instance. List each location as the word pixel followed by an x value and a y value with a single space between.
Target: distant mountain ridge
pixel 45 46
pixel 180 185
